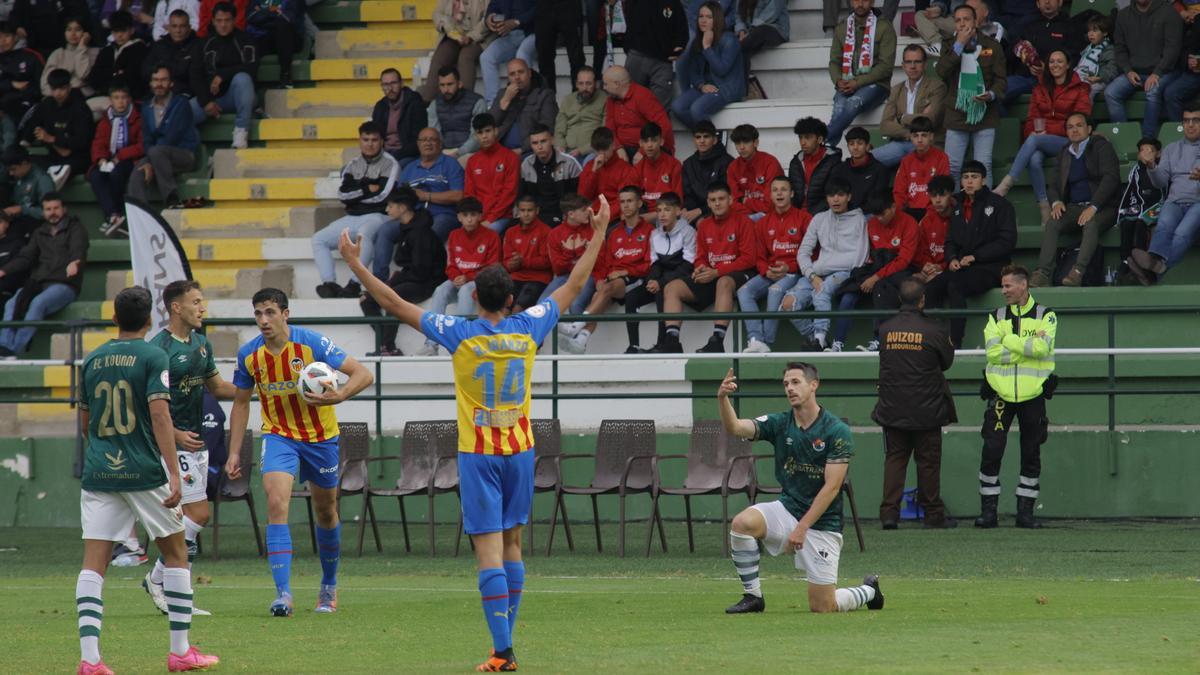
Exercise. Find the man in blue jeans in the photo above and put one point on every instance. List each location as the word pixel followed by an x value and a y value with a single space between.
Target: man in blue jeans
pixel 779 235
pixel 1177 172
pixel 861 60
pixel 973 63
pixel 223 72
pixel 1146 41
pixel 54 259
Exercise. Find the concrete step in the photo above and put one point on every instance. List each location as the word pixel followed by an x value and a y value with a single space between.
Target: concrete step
pixel 305 131
pixel 328 99
pixel 297 191
pixel 280 162
pixel 252 221
pixel 405 39
pixel 363 69
pixel 341 12
pixel 221 282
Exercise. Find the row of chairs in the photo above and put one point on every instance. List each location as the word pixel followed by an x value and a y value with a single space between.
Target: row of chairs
pixel 625 463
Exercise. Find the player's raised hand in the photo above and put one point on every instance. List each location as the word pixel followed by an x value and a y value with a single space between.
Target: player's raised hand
pixel 728 385
pixel 176 495
pixel 350 249
pixel 601 217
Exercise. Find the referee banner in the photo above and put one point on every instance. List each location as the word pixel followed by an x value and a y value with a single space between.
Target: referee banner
pixel 158 257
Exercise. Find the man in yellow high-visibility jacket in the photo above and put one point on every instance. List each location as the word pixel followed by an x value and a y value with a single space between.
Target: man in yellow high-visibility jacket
pixel 1020 359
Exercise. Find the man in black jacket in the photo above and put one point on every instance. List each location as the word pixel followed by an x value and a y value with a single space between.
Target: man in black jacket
pixel 914 404
pixel 401 115
pixel 979 243
pixel 20 73
pixel 548 174
pixel 709 165
pixel 175 51
pixel 63 124
pixel 53 259
pixel 812 166
pixel 521 106
pixel 865 174
pixel 657 34
pixel 121 59
pixel 1051 29
pixel 223 70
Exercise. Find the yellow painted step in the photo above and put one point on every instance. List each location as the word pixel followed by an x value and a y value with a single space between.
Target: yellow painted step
pixel 223 217
pixel 224 250
pixel 45 412
pixel 310 129
pixel 335 94
pixel 409 37
pixel 262 188
pixel 299 143
pixel 392 10
pixel 60 376
pixel 362 69
pixel 267 158
pixel 215 280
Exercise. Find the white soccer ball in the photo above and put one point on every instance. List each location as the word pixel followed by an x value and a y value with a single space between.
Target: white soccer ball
pixel 316 377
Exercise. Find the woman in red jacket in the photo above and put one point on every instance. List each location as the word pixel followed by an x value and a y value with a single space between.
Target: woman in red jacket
pixel 116 146
pixel 1059 94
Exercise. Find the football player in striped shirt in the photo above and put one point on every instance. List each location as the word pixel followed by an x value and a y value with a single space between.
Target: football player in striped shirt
pixel 493 359
pixel 300 435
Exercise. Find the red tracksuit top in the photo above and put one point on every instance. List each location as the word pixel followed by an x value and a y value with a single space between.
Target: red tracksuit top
pixel 912 178
pixel 469 252
pixel 626 250
pixel 931 241
pixel 492 177
pixel 779 238
pixel 626 116
pixel 664 174
pixel 899 236
pixel 532 244
pixel 608 181
pixel 750 182
pixel 727 244
pixel 566 246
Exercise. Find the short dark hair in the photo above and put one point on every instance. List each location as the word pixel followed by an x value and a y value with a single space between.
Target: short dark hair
pixel 539 128
pixel 449 70
pixel 631 188
pixel 177 289
pixel 163 66
pixel 973 166
pixel 809 370
pixel 1087 119
pixel 118 84
pixel 585 69
pixel 270 295
pixel 1016 271
pixel 370 128
pixel 404 194
pixel 967 7
pixel 483 121
pixel 810 125
pixel 120 20
pixel 8 28
pixel 15 154
pixel 877 202
pixel 914 47
pixel 77 20
pixel 920 124
pixel 718 186
pixel 176 13
pixel 1100 23
pixel 705 127
pixel 393 71
pixel 1191 107
pixel 226 7
pixel 131 308
pixel 650 130
pixel 469 205
pixel 573 201
pixel 1150 140
pixel 602 139
pixel 782 178
pixel 59 78
pixel 744 133
pixel 669 199
pixel 911 292
pixel 493 288
pixel 53 196
pixel 858 134
pixel 940 185
pixel 528 198
pixel 836 185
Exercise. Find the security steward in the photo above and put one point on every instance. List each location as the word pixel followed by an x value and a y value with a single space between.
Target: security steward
pixel 914 404
pixel 1019 377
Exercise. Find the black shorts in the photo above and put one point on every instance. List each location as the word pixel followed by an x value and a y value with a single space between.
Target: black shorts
pixel 706 294
pixel 526 293
pixel 631 285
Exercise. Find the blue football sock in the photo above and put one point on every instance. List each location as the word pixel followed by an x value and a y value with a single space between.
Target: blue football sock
pixel 515 571
pixel 279 556
pixel 329 543
pixel 493 587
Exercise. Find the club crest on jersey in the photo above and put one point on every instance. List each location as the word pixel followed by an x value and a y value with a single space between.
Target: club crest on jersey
pixel 731 237
pixel 203 353
pixel 481 249
pixel 792 231
pixel 666 178
pixel 500 167
pixel 760 180
pixel 667 13
pixel 895 241
pixel 641 237
pixel 297 364
pixel 819 445
pixel 987 211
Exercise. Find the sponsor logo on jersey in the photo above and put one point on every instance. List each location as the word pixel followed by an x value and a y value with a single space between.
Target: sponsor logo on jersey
pixel 327 469
pixel 117 462
pixel 182 358
pixel 279 387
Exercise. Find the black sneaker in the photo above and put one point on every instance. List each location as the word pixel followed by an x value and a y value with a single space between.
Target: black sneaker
pixel 715 345
pixel 329 290
pixel 669 345
pixel 748 604
pixel 633 349
pixel 386 351
pixel 872 580
pixel 352 290
pixel 285 80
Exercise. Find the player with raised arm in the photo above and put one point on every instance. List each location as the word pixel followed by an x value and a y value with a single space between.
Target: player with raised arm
pixel 493 359
pixel 300 435
pixel 125 408
pixel 812 455
pixel 192 370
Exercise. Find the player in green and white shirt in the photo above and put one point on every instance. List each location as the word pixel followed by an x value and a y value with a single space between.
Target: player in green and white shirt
pixel 130 472
pixel 812 455
pixel 192 370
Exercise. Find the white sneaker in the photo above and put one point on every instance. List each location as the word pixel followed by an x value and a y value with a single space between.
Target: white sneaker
pixel 196 611
pixel 428 349
pixel 570 329
pixel 60 174
pixel 872 346
pixel 756 346
pixel 241 138
pixel 155 591
pixel 573 345
pixel 836 346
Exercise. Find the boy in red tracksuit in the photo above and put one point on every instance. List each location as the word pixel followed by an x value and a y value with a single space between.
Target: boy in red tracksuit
pixel 566 245
pixel 526 254
pixel 917 168
pixel 469 249
pixel 607 173
pixel 726 253
pixel 623 266
pixel 930 258
pixel 660 173
pixel 779 233
pixel 493 174
pixel 750 173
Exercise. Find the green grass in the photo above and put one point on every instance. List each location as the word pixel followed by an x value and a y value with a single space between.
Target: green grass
pixel 1119 597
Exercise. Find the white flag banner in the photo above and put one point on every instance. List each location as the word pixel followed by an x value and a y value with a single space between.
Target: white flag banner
pixel 158 257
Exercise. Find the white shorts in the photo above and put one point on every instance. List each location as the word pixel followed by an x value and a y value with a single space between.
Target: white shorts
pixel 109 516
pixel 193 476
pixel 820 554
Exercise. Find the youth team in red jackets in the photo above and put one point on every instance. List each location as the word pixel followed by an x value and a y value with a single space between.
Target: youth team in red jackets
pixel 751 172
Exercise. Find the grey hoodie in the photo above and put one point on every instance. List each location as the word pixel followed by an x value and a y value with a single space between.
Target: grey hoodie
pixel 843 242
pixel 1174 169
pixel 1148 41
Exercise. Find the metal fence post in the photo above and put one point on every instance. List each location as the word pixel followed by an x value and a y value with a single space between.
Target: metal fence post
pixel 1112 394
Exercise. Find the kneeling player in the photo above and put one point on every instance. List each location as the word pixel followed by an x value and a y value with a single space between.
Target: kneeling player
pixel 812 455
pixel 126 411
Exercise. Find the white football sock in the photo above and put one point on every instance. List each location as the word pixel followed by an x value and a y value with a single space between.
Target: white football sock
pixel 744 550
pixel 177 585
pixel 89 589
pixel 850 599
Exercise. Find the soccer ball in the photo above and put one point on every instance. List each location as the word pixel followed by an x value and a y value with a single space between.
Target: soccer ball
pixel 316 377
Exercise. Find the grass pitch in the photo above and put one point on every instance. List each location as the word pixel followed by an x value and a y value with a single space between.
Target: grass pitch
pixel 1075 597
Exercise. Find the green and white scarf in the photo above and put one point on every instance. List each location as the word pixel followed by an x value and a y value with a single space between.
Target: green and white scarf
pixel 970 85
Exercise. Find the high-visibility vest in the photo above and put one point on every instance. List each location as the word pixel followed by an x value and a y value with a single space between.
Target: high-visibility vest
pixel 1020 350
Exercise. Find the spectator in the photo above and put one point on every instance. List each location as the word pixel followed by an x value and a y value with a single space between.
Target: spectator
pixel 11 243
pixel 278 27
pixel 726 254
pixel 579 114
pixel 979 242
pixel 513 23
pixel 165 9
pixel 656 35
pixel 116 147
pixel 548 175
pixel 30 186
pixel 607 173
pixel 972 65
pixel 750 174
pixel 1084 198
pixel 438 181
pixel 38 23
pixel 62 124
pixel 1176 174
pixel 170 138
pixel 916 96
pixel 20 71
pixel 810 168
pixel 522 106
pixel 840 233
pixel 779 235
pixel 493 175
pixel 935 23
pixel 120 59
pixel 401 115
pixel 451 112
pixel 711 71
pixel 175 51
pixel 1140 206
pixel 1147 40
pixel 208 11
pixel 366 183
pixel 1054 29
pixel 54 260
pixel 762 24
pixel 420 257
pixel 930 258
pixel 918 168
pixel 223 74
pixel 628 108
pixel 527 254
pixel 558 21
pixel 658 172
pixel 75 57
pixel 672 255
pixel 1097 64
pixel 461 34
pixel 566 246
pixel 709 164
pixel 728 10
pixel 865 174
pixel 861 60
pixel 1187 82
pixel 139 10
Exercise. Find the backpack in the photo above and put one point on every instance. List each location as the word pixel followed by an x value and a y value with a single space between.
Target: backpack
pixel 1093 275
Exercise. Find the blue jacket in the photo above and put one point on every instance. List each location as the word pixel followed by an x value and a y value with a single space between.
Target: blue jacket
pixel 178 129
pixel 259 17
pixel 720 65
pixel 521 10
pixel 773 13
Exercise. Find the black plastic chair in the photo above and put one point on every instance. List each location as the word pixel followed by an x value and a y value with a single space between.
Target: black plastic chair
pixel 547 477
pixel 236 491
